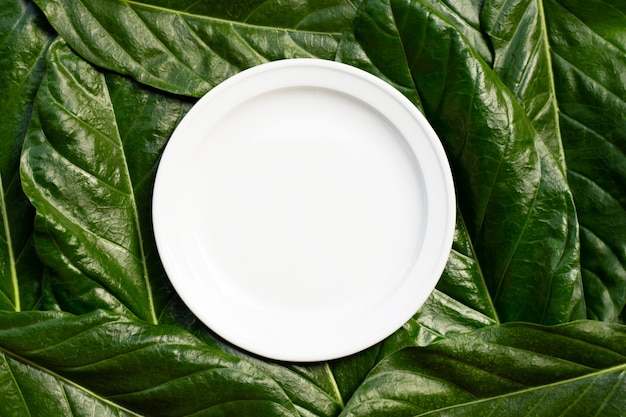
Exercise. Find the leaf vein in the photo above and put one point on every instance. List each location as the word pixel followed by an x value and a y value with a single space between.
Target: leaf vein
pixel 137 225
pixel 605 89
pixel 169 51
pixel 133 3
pixel 111 38
pixel 599 188
pixel 611 393
pixel 17 386
pixel 67 381
pixel 9 244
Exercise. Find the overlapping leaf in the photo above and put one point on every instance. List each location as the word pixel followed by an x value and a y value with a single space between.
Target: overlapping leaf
pixel 493 96
pixel 520 370
pixel 579 367
pixel 189 47
pixel 591 95
pixel 24 38
pixel 517 30
pixel 154 370
pixel 574 102
pixel 89 174
pixel 29 390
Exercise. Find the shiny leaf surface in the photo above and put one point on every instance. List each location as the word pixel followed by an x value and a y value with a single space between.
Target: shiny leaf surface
pixel 28 390
pixel 521 369
pixel 528 98
pixel 68 136
pixel 189 47
pixel 576 103
pixel 24 38
pixel 153 370
pixel 87 166
pixel 592 103
pixel 518 32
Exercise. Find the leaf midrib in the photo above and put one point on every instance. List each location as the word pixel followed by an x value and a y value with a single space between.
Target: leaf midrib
pixel 547 52
pixel 135 4
pixel 65 380
pixel 592 375
pixel 4 359
pixel 10 252
pixel 133 203
pixel 118 142
pixel 335 386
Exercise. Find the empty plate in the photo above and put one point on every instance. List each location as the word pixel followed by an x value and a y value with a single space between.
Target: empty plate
pixel 304 210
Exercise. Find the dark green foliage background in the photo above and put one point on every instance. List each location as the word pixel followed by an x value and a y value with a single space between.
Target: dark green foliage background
pixel 529 100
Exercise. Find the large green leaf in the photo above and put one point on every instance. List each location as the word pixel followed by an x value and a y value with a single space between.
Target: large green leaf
pixel 318 16
pixel 31 390
pixel 188 47
pixel 60 359
pixel 522 61
pixel 513 196
pixel 95 138
pixel 543 51
pixel 516 370
pixel 517 30
pixel 588 49
pixel 87 167
pixel 525 369
pixel 24 38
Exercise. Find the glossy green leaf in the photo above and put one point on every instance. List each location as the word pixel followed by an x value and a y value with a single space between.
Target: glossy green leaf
pixel 492 77
pixel 88 165
pixel 24 38
pixel 189 47
pixel 517 30
pixel 562 60
pixel 153 370
pixel 517 369
pixel 319 16
pixel 30 390
pixel 588 48
pixel 522 61
pixel 462 278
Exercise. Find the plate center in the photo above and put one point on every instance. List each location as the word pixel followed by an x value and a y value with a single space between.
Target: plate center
pixel 313 201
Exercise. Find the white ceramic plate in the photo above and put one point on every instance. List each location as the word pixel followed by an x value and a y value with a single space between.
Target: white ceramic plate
pixel 304 210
